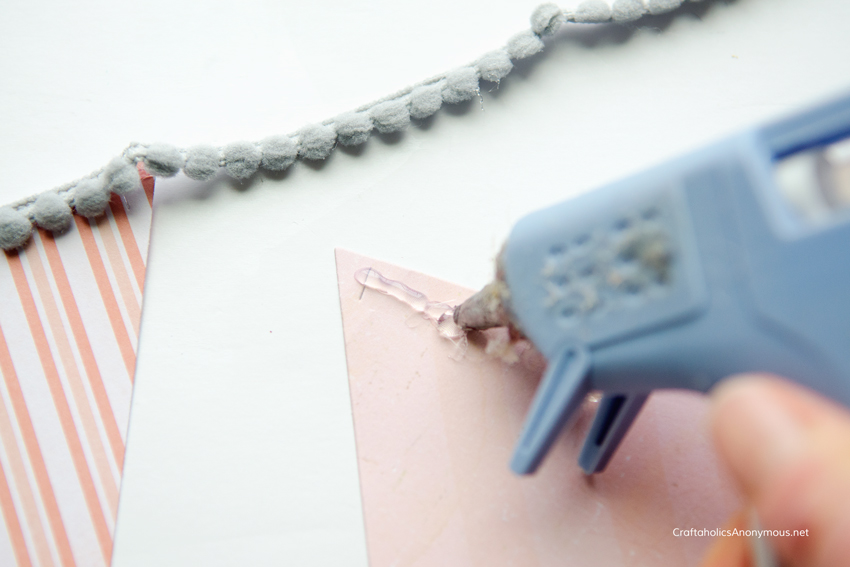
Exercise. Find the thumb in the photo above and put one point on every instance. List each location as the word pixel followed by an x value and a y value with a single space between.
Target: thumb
pixel 789 449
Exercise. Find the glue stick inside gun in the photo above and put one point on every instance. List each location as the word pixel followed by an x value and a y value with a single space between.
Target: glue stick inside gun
pixel 733 259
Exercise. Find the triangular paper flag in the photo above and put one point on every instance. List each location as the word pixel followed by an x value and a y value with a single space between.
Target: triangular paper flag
pixel 70 309
pixel 434 436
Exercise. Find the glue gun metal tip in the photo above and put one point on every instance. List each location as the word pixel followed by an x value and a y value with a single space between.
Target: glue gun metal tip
pixel 485 309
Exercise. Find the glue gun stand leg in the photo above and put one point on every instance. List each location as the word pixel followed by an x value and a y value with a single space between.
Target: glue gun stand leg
pixel 560 394
pixel 613 419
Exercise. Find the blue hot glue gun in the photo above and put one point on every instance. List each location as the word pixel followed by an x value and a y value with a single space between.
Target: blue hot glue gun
pixel 733 259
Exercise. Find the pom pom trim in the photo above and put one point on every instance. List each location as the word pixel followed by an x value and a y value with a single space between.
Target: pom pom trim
pixel 387 114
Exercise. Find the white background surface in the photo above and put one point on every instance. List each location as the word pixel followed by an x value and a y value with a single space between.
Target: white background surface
pixel 241 448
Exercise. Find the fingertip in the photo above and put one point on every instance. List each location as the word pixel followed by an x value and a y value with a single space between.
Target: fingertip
pixel 754 429
pixel 789 449
pixel 742 384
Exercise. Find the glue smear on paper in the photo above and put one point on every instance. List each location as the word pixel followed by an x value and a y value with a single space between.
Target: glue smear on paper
pixel 441 316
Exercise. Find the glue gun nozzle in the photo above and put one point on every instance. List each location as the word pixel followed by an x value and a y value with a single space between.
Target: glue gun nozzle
pixel 485 309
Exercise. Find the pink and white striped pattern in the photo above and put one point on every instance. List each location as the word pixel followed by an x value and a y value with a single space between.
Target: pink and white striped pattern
pixel 70 309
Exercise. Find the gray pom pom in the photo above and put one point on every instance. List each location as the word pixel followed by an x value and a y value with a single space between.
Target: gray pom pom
pixel 425 101
pixel 15 228
pixel 593 12
pixel 461 85
pixel 663 6
pixel 163 160
pixel 121 176
pixel 390 116
pixel 52 212
pixel 628 10
pixel 279 152
pixel 495 66
pixel 202 162
pixel 241 159
pixel 546 19
pixel 353 128
pixel 90 198
pixel 317 141
pixel 524 44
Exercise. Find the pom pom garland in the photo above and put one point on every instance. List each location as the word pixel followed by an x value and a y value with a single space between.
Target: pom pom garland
pixel 391 116
pixel 663 6
pixel 90 196
pixel 52 213
pixel 15 229
pixel 495 66
pixel 121 176
pixel 202 162
pixel 546 19
pixel 163 160
pixel 317 141
pixel 524 45
pixel 279 152
pixel 242 159
pixel 591 11
pixel 426 100
pixel 461 85
pixel 353 128
pixel 627 10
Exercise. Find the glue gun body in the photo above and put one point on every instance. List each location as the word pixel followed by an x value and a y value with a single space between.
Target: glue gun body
pixel 733 259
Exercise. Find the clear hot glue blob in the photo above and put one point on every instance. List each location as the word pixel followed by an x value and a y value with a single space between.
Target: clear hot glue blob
pixel 439 314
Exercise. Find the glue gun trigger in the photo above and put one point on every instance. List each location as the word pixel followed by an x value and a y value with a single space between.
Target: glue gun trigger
pixel 561 392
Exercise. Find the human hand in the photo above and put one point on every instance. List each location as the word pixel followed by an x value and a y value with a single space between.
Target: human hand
pixel 789 450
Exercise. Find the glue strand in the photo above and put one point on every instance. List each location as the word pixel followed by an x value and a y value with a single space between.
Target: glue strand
pixel 437 313
pixel 89 196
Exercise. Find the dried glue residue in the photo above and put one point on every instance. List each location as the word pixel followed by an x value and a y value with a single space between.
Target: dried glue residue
pixel 440 315
pixel 494 343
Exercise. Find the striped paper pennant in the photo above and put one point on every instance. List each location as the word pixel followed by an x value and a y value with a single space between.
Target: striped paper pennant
pixel 70 309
